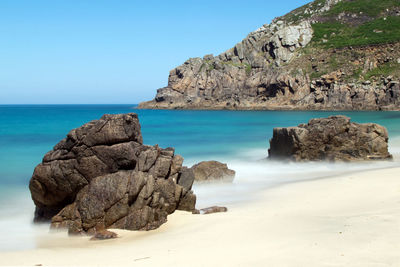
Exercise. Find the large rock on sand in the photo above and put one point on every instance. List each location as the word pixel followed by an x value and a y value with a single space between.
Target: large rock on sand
pixel 212 170
pixel 333 138
pixel 102 176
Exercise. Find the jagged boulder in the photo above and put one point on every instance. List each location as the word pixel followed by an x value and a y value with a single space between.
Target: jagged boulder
pixel 212 170
pixel 334 138
pixel 102 176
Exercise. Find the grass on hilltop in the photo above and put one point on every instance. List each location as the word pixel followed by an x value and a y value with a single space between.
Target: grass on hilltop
pixel 337 35
pixel 371 8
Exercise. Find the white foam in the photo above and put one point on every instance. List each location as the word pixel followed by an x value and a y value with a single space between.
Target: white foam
pixel 253 176
pixel 16 221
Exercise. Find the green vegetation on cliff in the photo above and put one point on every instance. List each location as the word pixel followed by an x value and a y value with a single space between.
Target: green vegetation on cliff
pixel 358 37
pixel 358 23
pixel 337 35
pixel 384 70
pixel 372 8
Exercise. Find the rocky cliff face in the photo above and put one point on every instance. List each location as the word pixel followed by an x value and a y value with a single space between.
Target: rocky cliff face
pixel 286 65
pixel 101 176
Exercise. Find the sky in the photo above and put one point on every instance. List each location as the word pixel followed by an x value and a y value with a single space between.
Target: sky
pixel 114 51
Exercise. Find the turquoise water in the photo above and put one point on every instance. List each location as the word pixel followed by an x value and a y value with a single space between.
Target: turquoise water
pixel 239 138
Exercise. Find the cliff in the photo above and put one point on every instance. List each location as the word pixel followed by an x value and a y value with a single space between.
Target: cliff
pixel 326 55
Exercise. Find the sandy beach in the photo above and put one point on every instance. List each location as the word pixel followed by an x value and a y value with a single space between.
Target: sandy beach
pixel 348 220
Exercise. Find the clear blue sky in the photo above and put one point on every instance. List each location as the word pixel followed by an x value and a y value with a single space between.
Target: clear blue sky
pixel 115 51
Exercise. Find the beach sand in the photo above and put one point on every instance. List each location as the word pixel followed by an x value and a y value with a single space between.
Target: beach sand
pixel 348 220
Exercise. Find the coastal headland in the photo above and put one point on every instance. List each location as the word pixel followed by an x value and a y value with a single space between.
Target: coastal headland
pixel 325 55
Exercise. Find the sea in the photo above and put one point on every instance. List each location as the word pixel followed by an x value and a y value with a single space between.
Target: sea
pixel 238 138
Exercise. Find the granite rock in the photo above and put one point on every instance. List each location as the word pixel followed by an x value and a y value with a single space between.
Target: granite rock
pixel 209 210
pixel 334 139
pixel 212 170
pixel 102 176
pixel 103 235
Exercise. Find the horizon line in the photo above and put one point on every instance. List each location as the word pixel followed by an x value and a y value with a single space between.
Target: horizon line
pixel 66 104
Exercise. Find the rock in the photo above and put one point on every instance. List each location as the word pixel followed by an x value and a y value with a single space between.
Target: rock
pixel 210 210
pixel 334 139
pixel 208 57
pixel 186 178
pixel 103 235
pixel 288 39
pixel 331 77
pixel 187 202
pixel 212 170
pixel 102 176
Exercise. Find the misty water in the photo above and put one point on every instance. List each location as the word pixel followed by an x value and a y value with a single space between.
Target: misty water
pixel 239 138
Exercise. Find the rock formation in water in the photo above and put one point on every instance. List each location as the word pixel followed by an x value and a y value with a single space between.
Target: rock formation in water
pixel 325 55
pixel 334 139
pixel 212 170
pixel 102 176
